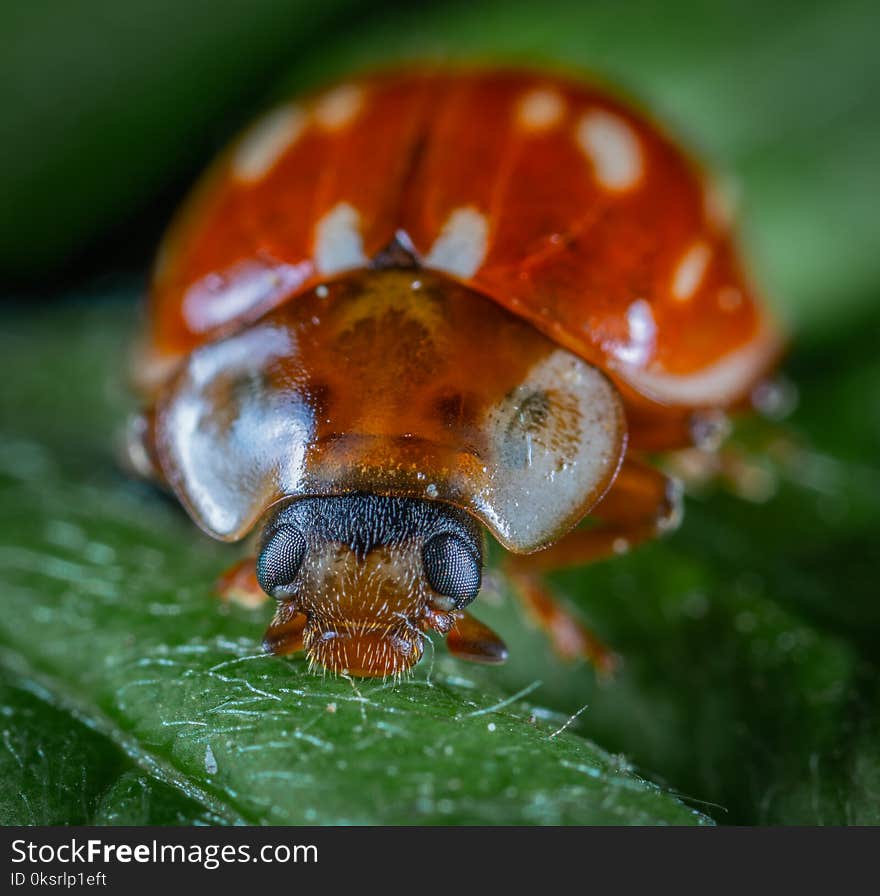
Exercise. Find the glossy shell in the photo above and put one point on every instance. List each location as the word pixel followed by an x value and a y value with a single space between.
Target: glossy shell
pixel 361 386
pixel 551 197
pixel 541 196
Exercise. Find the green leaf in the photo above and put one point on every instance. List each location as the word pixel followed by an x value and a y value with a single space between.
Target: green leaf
pixel 53 768
pixel 106 103
pixel 57 770
pixel 108 614
pixel 749 637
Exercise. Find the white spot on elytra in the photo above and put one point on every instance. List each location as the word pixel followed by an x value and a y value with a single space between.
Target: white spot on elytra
pixel 642 333
pixel 689 272
pixel 461 247
pixel 540 109
pixel 719 383
pixel 613 148
pixel 338 242
pixel 217 299
pixel 339 107
pixel 264 144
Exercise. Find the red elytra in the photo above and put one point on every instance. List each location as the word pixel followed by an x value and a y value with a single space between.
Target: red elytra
pixel 485 291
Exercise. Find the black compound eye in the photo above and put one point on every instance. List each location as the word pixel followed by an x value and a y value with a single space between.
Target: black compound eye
pixel 280 560
pixel 451 568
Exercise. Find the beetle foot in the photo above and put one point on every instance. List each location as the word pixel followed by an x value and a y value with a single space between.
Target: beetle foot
pixel 570 638
pixel 239 585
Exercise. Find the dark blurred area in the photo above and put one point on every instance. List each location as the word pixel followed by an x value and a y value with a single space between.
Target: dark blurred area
pixel 111 110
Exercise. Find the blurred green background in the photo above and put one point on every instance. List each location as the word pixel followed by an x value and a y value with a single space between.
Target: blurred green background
pixel 749 692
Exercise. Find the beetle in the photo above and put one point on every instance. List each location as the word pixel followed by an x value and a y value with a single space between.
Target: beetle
pixel 427 304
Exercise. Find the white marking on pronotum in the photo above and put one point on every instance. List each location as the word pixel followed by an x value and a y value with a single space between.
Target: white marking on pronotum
pixel 613 148
pixel 642 334
pixel 338 242
pixel 339 107
pixel 264 144
pixel 540 109
pixel 576 422
pixel 689 272
pixel 461 247
pixel 218 480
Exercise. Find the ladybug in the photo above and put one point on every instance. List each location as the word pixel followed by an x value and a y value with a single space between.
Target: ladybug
pixel 424 305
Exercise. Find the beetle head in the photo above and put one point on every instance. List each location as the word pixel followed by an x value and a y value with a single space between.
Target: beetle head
pixel 360 578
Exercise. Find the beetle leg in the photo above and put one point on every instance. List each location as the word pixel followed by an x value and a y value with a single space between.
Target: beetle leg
pixel 239 585
pixel 571 639
pixel 643 501
pixel 747 474
pixel 285 633
pixel 135 450
pixel 642 504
